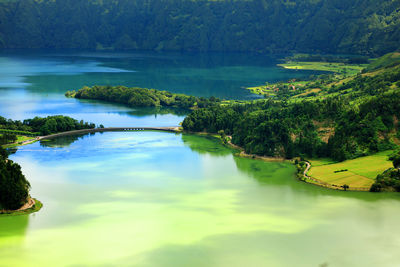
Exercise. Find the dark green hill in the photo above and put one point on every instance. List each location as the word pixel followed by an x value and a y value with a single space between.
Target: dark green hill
pixel 334 26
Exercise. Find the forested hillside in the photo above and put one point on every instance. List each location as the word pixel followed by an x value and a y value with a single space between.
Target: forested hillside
pixel 357 118
pixel 334 26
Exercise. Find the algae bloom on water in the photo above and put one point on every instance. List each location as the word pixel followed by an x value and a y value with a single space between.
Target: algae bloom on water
pixel 154 198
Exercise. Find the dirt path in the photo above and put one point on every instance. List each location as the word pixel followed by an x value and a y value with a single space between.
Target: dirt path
pixel 307 169
pixel 29 141
pixel 29 204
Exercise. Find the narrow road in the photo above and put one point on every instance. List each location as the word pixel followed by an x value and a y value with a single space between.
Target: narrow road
pixel 108 129
pixel 307 169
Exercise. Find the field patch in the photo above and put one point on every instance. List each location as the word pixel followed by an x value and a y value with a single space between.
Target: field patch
pixel 349 69
pixel 360 172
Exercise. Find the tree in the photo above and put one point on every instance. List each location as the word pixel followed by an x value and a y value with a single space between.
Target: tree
pixel 396 161
pixel 345 187
pixel 14 188
pixel 376 187
pixel 3 153
pixel 222 134
pixel 8 138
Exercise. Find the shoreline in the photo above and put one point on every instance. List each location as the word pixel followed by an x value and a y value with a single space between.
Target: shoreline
pixel 243 154
pixel 178 129
pixel 307 179
pixel 236 147
pixel 31 206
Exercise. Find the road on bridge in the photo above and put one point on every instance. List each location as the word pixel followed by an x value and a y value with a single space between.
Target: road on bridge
pixel 108 129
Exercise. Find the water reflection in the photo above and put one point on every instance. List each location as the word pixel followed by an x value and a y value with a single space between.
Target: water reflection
pixel 260 170
pixel 13 226
pixel 13 231
pixel 63 141
pixel 148 111
pixel 205 145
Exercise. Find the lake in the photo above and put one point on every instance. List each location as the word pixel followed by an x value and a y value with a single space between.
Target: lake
pixel 163 199
pixel 33 84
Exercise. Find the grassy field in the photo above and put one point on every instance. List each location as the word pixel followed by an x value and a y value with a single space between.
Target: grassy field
pixel 318 86
pixel 21 138
pixel 269 89
pixel 348 69
pixel 342 71
pixel 361 172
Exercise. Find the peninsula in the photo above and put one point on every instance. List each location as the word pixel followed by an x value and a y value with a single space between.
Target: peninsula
pixel 142 97
pixel 14 187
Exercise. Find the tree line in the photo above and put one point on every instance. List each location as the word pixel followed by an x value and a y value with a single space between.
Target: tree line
pixel 44 126
pixel 142 97
pixel 7 138
pixel 329 26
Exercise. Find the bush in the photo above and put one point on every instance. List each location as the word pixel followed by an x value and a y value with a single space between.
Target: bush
pixel 376 187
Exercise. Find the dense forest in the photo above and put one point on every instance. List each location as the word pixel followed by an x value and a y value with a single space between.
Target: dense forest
pixel 14 188
pixel 320 128
pixel 356 118
pixel 142 97
pixel 334 26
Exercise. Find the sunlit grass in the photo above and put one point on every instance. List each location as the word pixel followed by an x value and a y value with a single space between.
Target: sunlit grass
pixel 349 69
pixel 360 172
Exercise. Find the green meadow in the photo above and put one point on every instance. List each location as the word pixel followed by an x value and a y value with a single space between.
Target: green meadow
pixel 360 172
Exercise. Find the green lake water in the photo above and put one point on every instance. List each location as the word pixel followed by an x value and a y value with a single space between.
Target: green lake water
pixel 164 199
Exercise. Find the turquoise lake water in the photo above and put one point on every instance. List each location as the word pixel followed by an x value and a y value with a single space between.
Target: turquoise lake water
pixel 33 84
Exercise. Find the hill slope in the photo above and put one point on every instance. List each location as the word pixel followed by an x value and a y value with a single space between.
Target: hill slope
pixel 352 119
pixel 335 26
